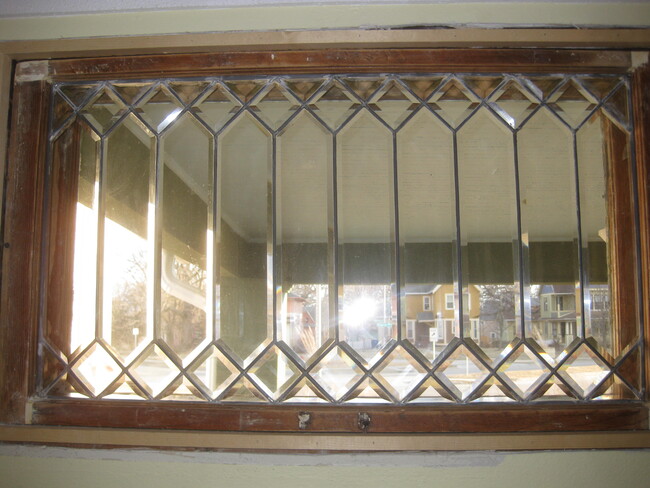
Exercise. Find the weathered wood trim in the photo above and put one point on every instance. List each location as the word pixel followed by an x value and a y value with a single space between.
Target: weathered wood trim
pixel 641 104
pixel 19 296
pixel 274 442
pixel 341 419
pixel 342 61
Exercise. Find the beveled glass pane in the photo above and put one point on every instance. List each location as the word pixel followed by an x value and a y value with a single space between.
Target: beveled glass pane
pixel 513 103
pixel 489 234
pixel 217 107
pixel 462 372
pixel 156 373
pixel 336 373
pixel 399 373
pixel 453 102
pixel 572 102
pixel 549 226
pixel 159 108
pixel 303 185
pixel 583 371
pixel 393 103
pixel 606 221
pixel 128 233
pixel 427 208
pixel 96 369
pixel 74 240
pixel 186 206
pixel 523 371
pixel 213 371
pixel 334 104
pixel 367 308
pixel 274 372
pixel 274 105
pixel 244 307
pixel 103 110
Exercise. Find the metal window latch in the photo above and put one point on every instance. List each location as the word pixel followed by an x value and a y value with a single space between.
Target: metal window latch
pixel 363 421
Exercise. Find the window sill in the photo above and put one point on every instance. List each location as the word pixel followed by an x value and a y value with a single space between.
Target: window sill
pixel 309 442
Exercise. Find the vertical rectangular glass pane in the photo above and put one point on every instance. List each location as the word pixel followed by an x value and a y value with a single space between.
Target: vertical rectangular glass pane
pixel 303 254
pixel 127 263
pixel 244 293
pixel 367 311
pixel 549 226
pixel 427 209
pixel 185 203
pixel 489 234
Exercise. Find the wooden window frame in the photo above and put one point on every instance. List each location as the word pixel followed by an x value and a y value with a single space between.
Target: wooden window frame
pixel 24 219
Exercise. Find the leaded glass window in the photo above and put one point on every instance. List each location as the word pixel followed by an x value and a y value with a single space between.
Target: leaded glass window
pixel 393 239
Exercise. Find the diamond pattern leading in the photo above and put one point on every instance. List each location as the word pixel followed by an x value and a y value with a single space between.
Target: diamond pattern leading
pixel 217 107
pixel 334 105
pixel 513 103
pixel 393 104
pixel 399 373
pixel 159 108
pixel 453 102
pixel 583 370
pixel 103 110
pixel 274 105
pixel 213 371
pixel 463 372
pixel 336 373
pixel 573 103
pixel 274 371
pixel 523 371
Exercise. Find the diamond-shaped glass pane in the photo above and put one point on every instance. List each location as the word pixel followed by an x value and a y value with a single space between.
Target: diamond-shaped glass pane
pixel 275 371
pixel 463 370
pixel 573 103
pixel 188 91
pixel 274 106
pixel 393 104
pixel 336 373
pixel 96 369
pixel 453 102
pixel 213 371
pixel 399 373
pixel 217 107
pixel 334 105
pixel 160 108
pixel 584 370
pixel 523 371
pixel 156 372
pixel 513 103
pixel 103 110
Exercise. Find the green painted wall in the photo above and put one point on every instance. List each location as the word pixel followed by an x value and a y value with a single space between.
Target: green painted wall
pixel 57 467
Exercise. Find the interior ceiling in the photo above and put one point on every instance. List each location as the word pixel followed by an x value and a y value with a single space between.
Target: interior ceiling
pixel 18 8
